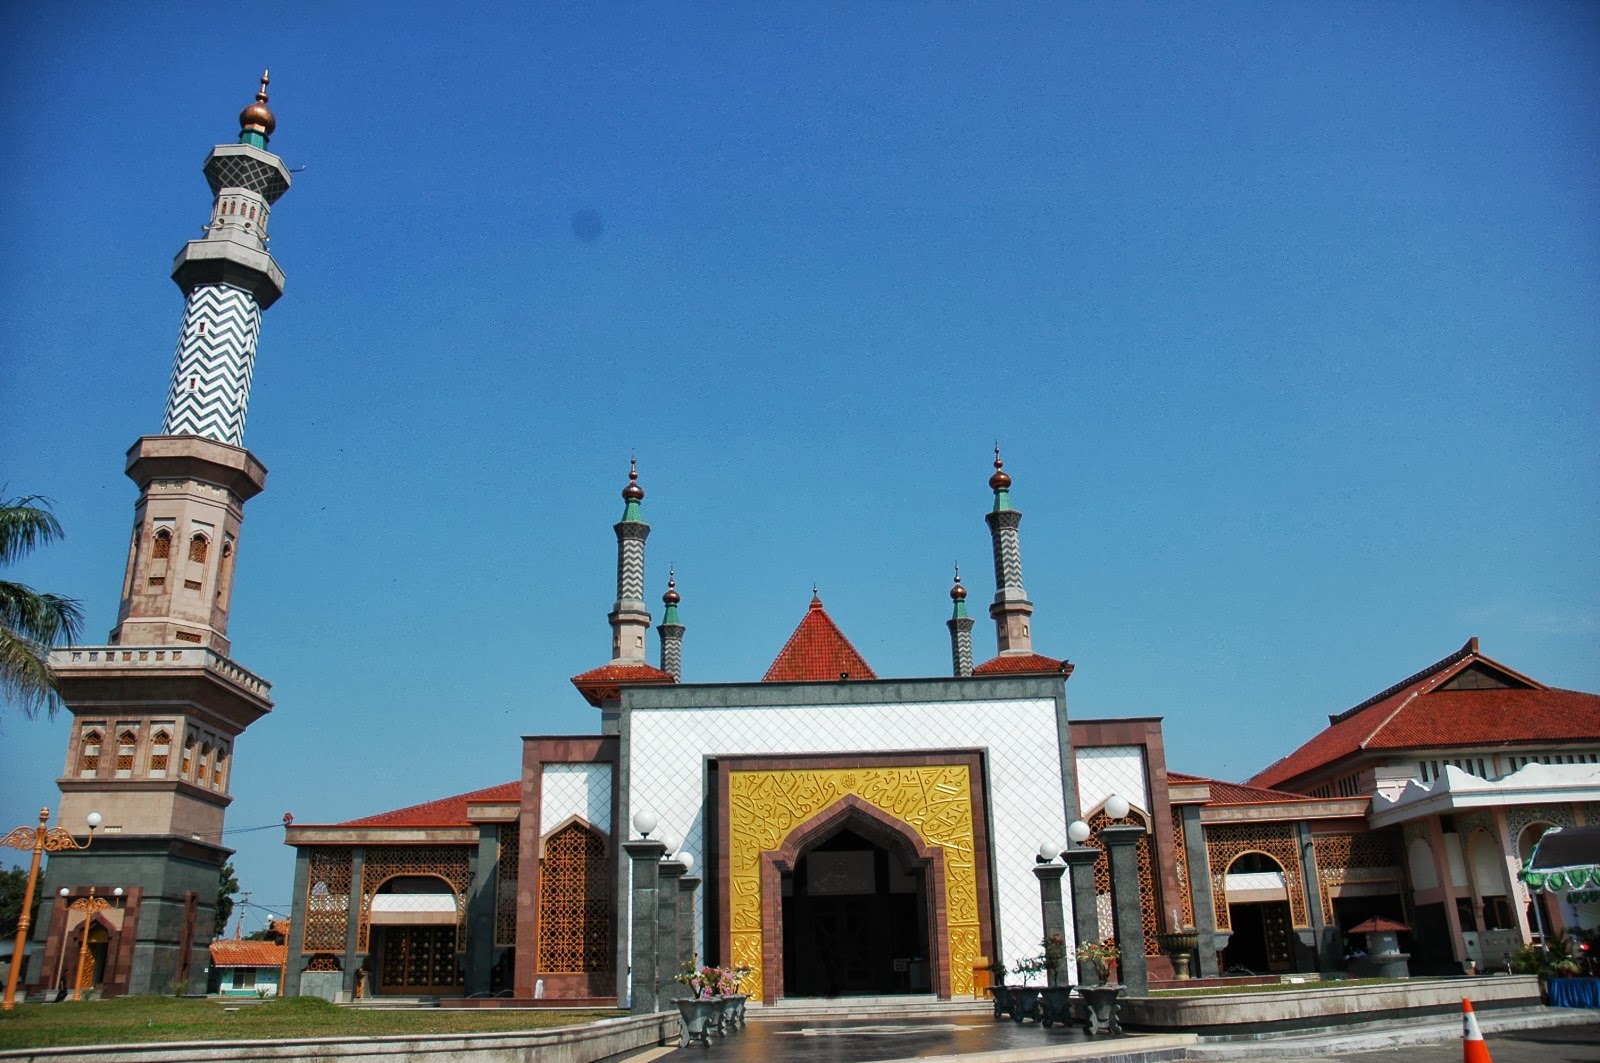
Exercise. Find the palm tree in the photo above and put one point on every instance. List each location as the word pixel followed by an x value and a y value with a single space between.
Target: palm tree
pixel 31 622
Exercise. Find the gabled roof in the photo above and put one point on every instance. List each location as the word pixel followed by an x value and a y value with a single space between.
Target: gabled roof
pixel 445 812
pixel 817 652
pixel 1023 663
pixel 603 684
pixel 236 952
pixel 1466 699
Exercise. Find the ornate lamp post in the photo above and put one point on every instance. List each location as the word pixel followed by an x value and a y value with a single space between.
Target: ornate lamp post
pixel 88 906
pixel 38 839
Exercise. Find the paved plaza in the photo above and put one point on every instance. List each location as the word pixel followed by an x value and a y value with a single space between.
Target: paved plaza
pixel 1546 1038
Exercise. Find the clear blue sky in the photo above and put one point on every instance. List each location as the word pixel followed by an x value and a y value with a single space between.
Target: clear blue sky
pixel 1287 316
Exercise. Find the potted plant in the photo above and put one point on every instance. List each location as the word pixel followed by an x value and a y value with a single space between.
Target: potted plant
pixel 1055 1000
pixel 729 979
pixel 701 1011
pixel 1024 998
pixel 998 989
pixel 1100 1001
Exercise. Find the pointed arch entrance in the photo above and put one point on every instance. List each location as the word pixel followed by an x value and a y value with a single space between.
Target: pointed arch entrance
pixel 905 833
pixel 861 899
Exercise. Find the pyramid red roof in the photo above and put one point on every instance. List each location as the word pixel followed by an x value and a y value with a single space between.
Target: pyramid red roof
pixel 1465 699
pixel 445 812
pixel 817 652
pixel 603 684
pixel 1023 663
pixel 236 952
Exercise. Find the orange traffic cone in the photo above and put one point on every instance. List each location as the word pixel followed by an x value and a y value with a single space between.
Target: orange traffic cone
pixel 1473 1050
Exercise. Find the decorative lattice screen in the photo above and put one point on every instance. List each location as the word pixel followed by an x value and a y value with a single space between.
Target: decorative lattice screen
pixel 328 900
pixel 575 903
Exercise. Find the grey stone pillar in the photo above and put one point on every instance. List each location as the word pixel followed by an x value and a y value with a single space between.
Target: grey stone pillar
pixel 480 901
pixel 688 888
pixel 297 923
pixel 643 956
pixel 1085 920
pixel 352 934
pixel 1322 941
pixel 1120 843
pixel 1049 876
pixel 670 872
pixel 1199 864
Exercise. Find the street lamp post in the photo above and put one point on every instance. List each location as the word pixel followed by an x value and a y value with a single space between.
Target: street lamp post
pixel 39 839
pixel 88 906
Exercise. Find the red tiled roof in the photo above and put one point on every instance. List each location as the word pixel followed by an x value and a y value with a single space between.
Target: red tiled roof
pixel 1029 663
pixel 1232 793
pixel 1417 714
pixel 603 684
pixel 817 652
pixel 236 952
pixel 445 812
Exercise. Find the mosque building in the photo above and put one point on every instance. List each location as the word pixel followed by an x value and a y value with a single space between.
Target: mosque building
pixel 835 831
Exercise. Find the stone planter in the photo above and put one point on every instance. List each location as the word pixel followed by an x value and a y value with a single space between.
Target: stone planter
pixel 701 1017
pixel 1055 1006
pixel 733 1011
pixel 1100 1009
pixel 1018 1001
pixel 1179 945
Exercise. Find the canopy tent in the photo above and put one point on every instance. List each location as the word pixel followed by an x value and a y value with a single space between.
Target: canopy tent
pixel 1565 859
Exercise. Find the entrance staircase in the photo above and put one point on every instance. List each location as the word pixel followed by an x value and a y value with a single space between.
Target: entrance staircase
pixel 880 1008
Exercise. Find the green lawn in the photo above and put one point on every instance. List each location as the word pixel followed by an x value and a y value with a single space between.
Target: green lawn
pixel 130 1019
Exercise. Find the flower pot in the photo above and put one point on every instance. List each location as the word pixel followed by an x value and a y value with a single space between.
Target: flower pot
pixel 1024 1002
pixel 701 1016
pixel 733 1011
pixel 1100 1009
pixel 1055 1006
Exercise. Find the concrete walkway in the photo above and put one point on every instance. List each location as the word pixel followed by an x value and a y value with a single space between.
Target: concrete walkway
pixel 971 1033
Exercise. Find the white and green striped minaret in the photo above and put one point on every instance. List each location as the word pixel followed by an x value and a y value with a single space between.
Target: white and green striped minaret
pixel 630 618
pixel 1011 609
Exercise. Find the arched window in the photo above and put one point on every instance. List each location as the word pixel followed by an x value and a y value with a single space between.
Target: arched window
pixel 575 902
pixel 203 770
pixel 89 754
pixel 160 753
pixel 127 743
pixel 188 759
pixel 225 570
pixel 197 548
pixel 161 549
pixel 219 775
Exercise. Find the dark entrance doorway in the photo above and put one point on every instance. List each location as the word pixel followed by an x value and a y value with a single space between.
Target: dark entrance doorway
pixel 855 921
pixel 1262 938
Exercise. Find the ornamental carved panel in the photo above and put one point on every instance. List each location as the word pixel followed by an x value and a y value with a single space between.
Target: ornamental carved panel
pixel 765 807
pixel 1357 857
pixel 1227 842
pixel 1185 889
pixel 575 903
pixel 328 900
pixel 1149 898
pixel 505 890
pixel 452 863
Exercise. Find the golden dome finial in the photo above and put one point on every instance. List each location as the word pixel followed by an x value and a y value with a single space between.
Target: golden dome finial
pixel 258 118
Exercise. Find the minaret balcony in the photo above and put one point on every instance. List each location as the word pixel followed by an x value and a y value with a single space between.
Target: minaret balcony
pixel 93 677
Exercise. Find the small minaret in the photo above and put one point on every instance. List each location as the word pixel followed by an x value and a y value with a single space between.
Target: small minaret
pixel 960 625
pixel 1011 609
pixel 671 630
pixel 630 620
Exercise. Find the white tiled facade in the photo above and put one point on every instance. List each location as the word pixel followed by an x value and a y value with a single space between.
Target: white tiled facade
pixel 1108 770
pixel 668 748
pixel 575 790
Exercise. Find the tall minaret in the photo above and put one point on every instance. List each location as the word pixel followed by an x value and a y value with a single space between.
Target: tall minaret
pixel 1011 608
pixel 156 712
pixel 960 625
pixel 671 630
pixel 630 620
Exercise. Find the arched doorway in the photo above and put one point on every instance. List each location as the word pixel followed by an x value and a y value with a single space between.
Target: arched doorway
pixel 413 920
pixel 1257 894
pixel 855 920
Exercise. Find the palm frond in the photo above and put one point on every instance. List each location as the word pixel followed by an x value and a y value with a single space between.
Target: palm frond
pixel 25 523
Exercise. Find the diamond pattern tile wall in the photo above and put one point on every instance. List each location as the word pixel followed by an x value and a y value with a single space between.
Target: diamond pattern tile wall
pixel 575 790
pixel 668 748
pixel 1111 770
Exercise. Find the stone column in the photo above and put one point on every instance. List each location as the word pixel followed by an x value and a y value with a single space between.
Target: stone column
pixel 297 924
pixel 1085 919
pixel 688 887
pixel 667 897
pixel 1049 876
pixel 1120 843
pixel 643 958
pixel 1194 846
pixel 480 902
pixel 352 937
